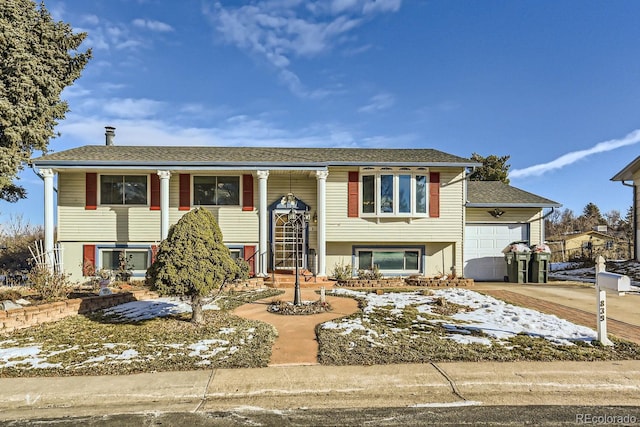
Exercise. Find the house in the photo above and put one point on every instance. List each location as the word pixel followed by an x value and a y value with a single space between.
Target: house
pixel 631 173
pixel 582 245
pixel 408 211
pixel 498 214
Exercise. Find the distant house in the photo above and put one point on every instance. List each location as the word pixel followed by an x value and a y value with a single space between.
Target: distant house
pixel 582 245
pixel 631 173
pixel 408 211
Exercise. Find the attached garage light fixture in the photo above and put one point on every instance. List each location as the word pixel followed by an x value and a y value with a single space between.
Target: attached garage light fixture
pixel 496 213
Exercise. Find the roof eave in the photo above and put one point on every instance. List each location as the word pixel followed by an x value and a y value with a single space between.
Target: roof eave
pixel 79 164
pixel 626 174
pixel 512 205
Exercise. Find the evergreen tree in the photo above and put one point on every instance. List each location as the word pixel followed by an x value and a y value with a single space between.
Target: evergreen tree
pixel 192 261
pixel 38 59
pixel 591 217
pixel 493 168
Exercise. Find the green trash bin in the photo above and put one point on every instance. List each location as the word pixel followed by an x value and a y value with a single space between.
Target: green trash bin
pixel 539 267
pixel 517 266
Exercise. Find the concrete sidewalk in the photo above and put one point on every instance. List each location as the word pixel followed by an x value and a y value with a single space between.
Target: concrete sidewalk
pixel 315 386
pixel 293 387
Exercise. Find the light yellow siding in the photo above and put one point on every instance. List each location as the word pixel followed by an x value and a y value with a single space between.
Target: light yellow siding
pixel 136 223
pixel 439 258
pixel 531 216
pixel 446 228
pixel 441 237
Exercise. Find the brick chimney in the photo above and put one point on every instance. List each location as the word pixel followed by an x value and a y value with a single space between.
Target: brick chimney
pixel 109 133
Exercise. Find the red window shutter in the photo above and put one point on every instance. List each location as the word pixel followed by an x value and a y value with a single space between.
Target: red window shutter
pixel 154 252
pixel 353 195
pixel 185 192
pixel 155 192
pixel 88 260
pixel 247 192
pixel 91 191
pixel 434 194
pixel 249 252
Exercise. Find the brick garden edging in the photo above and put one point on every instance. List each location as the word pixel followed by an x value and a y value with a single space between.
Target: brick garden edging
pixel 395 282
pixel 424 281
pixel 20 318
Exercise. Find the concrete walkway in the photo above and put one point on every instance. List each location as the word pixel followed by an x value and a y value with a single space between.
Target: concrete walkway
pixel 296 343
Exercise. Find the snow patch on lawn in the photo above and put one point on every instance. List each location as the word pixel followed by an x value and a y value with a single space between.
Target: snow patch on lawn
pixel 489 316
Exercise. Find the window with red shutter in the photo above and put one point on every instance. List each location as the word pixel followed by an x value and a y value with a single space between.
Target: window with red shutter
pixel 353 195
pixel 185 192
pixel 155 192
pixel 247 192
pixel 249 256
pixel 434 194
pixel 154 252
pixel 91 191
pixel 88 260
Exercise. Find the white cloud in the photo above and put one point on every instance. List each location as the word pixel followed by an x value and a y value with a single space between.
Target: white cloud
pixel 281 30
pixel 574 156
pixel 150 122
pixel 90 20
pixel 380 102
pixel 152 25
pixel 131 108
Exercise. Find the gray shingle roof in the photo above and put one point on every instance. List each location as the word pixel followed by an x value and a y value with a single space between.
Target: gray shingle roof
pixel 102 155
pixel 499 194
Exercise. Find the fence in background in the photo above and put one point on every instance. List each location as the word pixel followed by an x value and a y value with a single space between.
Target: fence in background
pixel 610 251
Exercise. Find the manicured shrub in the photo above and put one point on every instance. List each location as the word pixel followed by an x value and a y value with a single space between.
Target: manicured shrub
pixel 192 261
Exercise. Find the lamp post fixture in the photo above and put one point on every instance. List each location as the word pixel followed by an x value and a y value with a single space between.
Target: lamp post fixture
pixel 298 221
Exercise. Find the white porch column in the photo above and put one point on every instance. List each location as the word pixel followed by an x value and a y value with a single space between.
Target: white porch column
pixel 49 207
pixel 321 177
pixel 164 203
pixel 263 227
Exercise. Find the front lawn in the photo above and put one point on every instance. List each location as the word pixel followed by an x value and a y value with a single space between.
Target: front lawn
pixel 141 336
pixel 454 324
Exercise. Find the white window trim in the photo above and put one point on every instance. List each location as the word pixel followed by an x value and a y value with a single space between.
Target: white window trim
pixel 135 273
pixel 193 184
pixel 99 191
pixel 396 172
pixel 390 249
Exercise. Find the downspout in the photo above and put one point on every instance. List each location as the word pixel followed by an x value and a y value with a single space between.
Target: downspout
pixel 635 219
pixel 460 269
pixel 40 176
pixel 544 234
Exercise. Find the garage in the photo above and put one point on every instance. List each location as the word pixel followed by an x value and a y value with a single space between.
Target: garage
pixel 483 245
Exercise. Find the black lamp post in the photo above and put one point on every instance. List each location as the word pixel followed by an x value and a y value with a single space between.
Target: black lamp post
pixel 298 222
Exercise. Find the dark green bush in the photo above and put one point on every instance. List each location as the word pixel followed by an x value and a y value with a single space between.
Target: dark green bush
pixel 192 261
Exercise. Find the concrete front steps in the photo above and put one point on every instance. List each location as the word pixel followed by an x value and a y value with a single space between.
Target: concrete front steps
pixel 287 279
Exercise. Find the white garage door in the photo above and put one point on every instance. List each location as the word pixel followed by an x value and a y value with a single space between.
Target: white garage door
pixel 483 245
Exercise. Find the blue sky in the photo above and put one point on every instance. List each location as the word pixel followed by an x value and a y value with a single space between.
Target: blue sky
pixel 553 84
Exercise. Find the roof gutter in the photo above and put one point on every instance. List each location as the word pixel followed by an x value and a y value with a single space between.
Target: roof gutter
pixel 284 165
pixel 553 208
pixel 39 175
pixel 511 205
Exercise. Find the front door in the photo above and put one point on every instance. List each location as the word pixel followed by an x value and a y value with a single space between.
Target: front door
pixel 289 240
